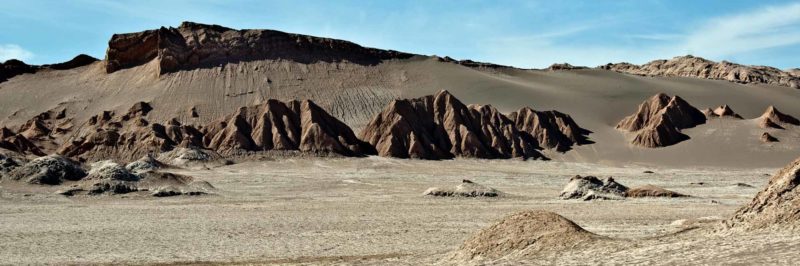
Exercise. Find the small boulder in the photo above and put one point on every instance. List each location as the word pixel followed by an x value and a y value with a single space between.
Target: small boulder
pixel 579 187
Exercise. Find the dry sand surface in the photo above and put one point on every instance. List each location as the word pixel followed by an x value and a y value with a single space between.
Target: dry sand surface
pixel 372 211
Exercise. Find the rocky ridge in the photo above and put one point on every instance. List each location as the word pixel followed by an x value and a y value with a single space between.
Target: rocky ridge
pixel 696 67
pixel 193 45
pixel 441 127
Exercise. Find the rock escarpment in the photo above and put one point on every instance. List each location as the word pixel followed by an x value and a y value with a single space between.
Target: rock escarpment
pixel 690 66
pixel 194 45
pixel 777 205
pixel 658 121
pixel 441 127
pixel 276 125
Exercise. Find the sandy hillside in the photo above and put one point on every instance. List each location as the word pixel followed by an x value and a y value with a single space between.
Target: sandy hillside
pixel 597 99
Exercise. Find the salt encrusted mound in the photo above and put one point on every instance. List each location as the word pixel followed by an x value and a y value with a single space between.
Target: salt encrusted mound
pixel 766 138
pixel 441 127
pixel 8 162
pixel 552 129
pixel 524 234
pixel 147 163
pixel 467 188
pixel 652 191
pixel 194 45
pixel 777 205
pixel 590 187
pixel 725 111
pixel 48 170
pixel 772 116
pixel 690 66
pixel 658 121
pixel 276 125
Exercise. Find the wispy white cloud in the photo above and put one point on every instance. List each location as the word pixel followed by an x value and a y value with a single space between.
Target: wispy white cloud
pixel 768 27
pixel 13 51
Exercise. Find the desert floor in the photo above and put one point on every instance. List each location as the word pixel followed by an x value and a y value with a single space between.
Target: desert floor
pixel 332 210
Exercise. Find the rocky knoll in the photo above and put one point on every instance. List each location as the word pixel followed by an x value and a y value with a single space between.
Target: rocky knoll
pixel 440 127
pixel 658 121
pixel 725 111
pixel 552 129
pixel 777 205
pixel 276 125
pixel 772 118
pixel 15 67
pixel 690 66
pixel 193 45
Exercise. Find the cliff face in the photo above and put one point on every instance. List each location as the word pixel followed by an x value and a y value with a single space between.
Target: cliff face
pixel 696 67
pixel 194 45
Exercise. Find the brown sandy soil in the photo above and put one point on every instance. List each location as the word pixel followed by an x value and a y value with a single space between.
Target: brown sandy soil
pixel 372 211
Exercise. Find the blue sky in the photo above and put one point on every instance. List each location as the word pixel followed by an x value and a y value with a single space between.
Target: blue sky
pixel 518 33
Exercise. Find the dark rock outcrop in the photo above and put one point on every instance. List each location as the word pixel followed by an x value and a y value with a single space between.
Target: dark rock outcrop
pixel 194 45
pixel 647 191
pixel 12 141
pixel 13 67
pixel 658 121
pixel 690 66
pixel 564 66
pixel 275 125
pixel 78 61
pixel 441 127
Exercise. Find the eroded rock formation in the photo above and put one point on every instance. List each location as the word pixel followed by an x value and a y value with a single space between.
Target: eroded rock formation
pixel 466 188
pixel 276 125
pixel 777 205
pixel 767 138
pixel 772 118
pixel 194 45
pixel 14 67
pixel 128 136
pixel 725 111
pixel 440 127
pixel 658 121
pixel 690 66
pixel 552 129
pixel 590 187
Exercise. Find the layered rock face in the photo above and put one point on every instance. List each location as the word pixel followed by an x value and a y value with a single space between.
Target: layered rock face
pixel 12 141
pixel 193 45
pixel 690 66
pixel 552 129
pixel 658 121
pixel 440 127
pixel 778 204
pixel 276 125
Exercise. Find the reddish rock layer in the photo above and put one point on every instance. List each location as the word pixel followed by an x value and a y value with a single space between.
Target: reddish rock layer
pixel 552 129
pixel 774 117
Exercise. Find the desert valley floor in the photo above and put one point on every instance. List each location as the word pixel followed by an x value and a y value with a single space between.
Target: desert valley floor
pixel 372 211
